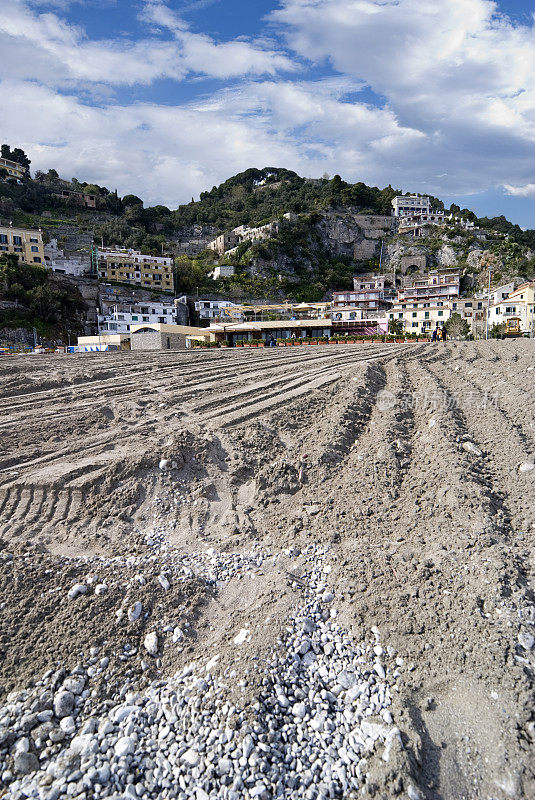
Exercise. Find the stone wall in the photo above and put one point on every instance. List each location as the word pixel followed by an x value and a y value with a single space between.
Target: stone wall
pixel 156 340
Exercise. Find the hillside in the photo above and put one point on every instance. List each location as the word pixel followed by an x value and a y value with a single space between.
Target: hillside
pixel 338 231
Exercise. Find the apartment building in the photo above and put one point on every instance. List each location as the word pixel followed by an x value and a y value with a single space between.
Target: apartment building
pixel 411 204
pixel 211 309
pixel 15 171
pixel 519 304
pixel 368 294
pixel 441 284
pixel 119 317
pixel 130 266
pixel 421 316
pixel 27 245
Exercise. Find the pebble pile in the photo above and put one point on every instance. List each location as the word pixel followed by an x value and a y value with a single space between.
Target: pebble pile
pixel 322 709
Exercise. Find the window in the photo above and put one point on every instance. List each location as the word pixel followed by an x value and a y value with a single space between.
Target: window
pixel 134 318
pixel 440 313
pixel 391 316
pixel 17 249
pixel 37 260
pixel 414 314
pixel 479 306
pixel 32 239
pixel 3 238
pixel 145 319
pixel 17 240
pixel 468 305
pixel 400 315
pixel 3 247
pixel 34 249
pixel 414 324
pixel 426 314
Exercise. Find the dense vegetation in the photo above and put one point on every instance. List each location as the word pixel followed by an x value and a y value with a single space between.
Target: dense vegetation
pixel 33 300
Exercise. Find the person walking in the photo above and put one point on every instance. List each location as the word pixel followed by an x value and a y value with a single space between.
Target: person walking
pixel 444 334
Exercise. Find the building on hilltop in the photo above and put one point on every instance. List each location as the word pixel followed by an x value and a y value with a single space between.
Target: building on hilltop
pixel 26 244
pixel 15 171
pixel 410 204
pixel 131 266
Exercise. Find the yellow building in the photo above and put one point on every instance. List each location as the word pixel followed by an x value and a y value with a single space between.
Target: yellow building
pixel 13 169
pixel 131 266
pixel 27 245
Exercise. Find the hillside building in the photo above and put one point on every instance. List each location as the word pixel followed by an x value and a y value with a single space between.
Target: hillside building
pixel 437 285
pixel 212 309
pixel 406 205
pixel 131 266
pixel 72 264
pixel 368 294
pixel 27 245
pixel 15 171
pixel 223 271
pixel 226 241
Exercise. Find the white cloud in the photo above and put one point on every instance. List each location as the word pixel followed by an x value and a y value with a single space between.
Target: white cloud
pixel 457 71
pixel 521 191
pixel 46 48
pixel 167 154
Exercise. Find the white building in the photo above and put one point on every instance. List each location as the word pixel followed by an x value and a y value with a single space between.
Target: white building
pixel 501 292
pixel 57 261
pixel 436 285
pixel 519 304
pixel 411 204
pixel 224 271
pixel 210 309
pixel 119 317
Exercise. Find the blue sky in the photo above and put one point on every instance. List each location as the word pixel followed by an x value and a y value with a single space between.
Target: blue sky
pixel 166 99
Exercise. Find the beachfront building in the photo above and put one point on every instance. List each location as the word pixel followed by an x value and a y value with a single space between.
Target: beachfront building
pixel 119 317
pixel 26 244
pixel 120 265
pixel 519 304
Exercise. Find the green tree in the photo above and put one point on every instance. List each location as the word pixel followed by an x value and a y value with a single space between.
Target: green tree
pixel 456 326
pixel 395 326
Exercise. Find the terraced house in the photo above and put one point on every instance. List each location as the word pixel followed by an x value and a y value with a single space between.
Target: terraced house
pixel 131 266
pixel 27 245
